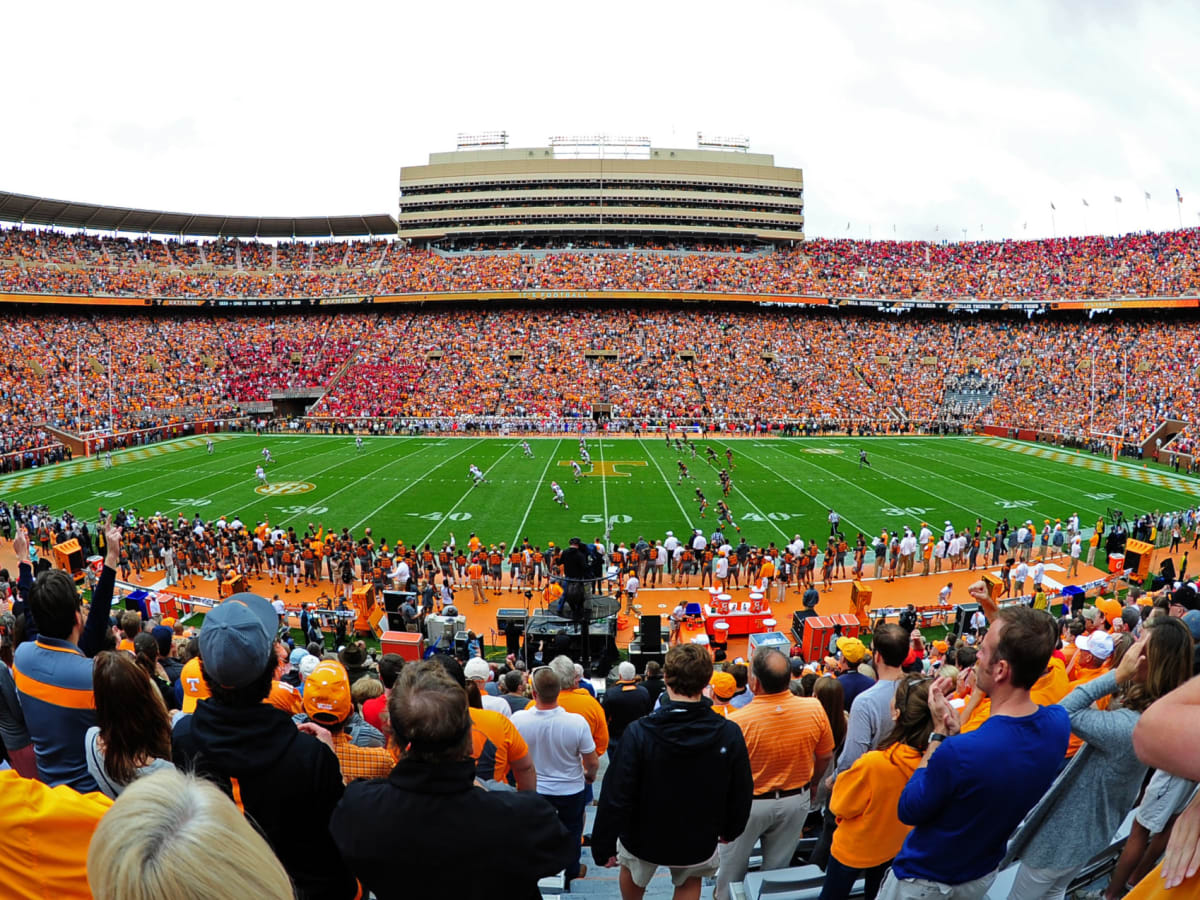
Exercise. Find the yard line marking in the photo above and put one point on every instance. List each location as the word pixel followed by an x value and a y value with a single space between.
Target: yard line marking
pixel 937 497
pixel 454 508
pixel 533 495
pixel 411 483
pixel 650 454
pixel 815 499
pixel 765 517
pixel 604 494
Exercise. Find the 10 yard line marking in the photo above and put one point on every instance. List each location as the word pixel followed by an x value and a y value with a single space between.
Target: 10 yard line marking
pixel 533 496
pixel 412 483
pixel 454 508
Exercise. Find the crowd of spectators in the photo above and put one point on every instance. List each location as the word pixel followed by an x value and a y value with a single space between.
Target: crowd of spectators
pixel 93 374
pixel 924 765
pixel 1163 264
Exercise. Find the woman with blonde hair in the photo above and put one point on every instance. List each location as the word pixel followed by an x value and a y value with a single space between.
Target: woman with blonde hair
pixel 865 797
pixel 168 820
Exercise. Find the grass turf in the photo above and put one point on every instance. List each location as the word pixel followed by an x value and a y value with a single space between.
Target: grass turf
pixel 418 489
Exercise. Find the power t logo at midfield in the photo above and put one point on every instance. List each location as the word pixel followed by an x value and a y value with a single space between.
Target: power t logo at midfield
pixel 281 488
pixel 608 468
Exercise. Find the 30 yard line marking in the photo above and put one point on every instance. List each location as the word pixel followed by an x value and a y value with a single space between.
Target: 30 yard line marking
pixel 533 495
pixel 454 508
pixel 675 496
pixel 412 483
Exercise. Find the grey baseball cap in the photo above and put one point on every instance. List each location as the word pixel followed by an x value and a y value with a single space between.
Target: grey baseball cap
pixel 237 638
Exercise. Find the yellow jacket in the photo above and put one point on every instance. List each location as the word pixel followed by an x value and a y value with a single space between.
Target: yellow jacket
pixel 865 798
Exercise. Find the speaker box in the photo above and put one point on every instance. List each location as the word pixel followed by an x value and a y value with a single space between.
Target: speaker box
pixel 514 616
pixel 798 618
pixel 962 618
pixel 396 621
pixel 651 633
pixel 392 600
pixel 640 657
pixel 461 650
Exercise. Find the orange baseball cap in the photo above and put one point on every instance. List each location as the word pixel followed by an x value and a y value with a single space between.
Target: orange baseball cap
pixel 327 693
pixel 724 686
pixel 194 688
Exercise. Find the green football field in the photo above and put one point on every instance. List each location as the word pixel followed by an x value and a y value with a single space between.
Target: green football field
pixel 418 489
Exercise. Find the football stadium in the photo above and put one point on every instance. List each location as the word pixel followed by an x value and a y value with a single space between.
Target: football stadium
pixel 591 502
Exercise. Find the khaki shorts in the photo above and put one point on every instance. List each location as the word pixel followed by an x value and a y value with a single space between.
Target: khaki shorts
pixel 642 871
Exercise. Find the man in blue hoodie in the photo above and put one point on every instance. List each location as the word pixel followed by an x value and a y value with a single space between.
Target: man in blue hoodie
pixel 644 821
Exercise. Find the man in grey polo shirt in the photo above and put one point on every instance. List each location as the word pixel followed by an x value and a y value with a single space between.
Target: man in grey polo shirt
pixel 870 716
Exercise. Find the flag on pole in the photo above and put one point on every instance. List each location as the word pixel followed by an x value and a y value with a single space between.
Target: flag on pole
pixel 1025 227
pixel 1052 206
pixel 1116 199
pixel 1147 195
pixel 1178 196
pixel 1085 203
pixel 847 226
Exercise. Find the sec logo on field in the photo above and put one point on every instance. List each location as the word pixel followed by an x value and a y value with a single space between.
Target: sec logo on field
pixel 281 488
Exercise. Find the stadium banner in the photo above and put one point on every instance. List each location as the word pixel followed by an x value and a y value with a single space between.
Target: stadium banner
pixel 74 299
pixel 485 296
pixel 1131 303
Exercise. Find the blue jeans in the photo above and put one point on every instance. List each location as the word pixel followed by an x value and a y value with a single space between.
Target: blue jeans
pixel 839 880
pixel 570 809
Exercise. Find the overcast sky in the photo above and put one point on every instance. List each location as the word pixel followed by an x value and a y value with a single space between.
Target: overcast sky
pixel 903 114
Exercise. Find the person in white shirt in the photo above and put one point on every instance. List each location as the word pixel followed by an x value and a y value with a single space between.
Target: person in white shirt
pixel 564 757
pixel 908 547
pixel 479 671
pixel 1020 575
pixel 1076 550
pixel 944 594
pixel 948 532
pixel 260 475
pixel 721 571
pixel 1039 573
pixel 978 621
pixel 631 588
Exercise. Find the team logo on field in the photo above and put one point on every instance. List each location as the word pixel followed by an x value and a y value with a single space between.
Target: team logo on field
pixel 607 468
pixel 281 488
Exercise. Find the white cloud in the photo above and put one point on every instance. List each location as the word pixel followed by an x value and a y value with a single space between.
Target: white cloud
pixel 917 113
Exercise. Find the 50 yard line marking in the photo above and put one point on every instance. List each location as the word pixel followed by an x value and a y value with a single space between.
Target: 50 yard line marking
pixel 533 495
pixel 604 494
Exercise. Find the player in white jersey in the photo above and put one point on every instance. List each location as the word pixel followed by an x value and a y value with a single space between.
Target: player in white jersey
pixel 358 442
pixel 108 459
pixel 526 449
pixel 584 455
pixel 208 445
pixel 577 470
pixel 559 496
pixel 477 475
pixel 260 475
pixel 266 454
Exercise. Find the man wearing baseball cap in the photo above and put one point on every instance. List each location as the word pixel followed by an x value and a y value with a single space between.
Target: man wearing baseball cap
pixel 327 702
pixel 257 755
pixel 852 652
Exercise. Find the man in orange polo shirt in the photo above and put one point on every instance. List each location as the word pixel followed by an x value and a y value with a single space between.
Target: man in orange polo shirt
pixel 789 739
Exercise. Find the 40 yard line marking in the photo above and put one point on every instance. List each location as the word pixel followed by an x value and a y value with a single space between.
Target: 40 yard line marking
pixel 454 508
pixel 533 495
pixel 412 483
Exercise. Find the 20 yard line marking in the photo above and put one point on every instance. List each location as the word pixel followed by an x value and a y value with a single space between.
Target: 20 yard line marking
pixel 533 495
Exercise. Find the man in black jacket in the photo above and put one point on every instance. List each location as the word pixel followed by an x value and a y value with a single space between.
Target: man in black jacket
pixel 433 788
pixel 644 821
pixel 257 755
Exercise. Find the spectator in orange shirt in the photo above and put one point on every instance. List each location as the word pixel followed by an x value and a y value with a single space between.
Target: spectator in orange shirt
pixel 866 796
pixel 790 740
